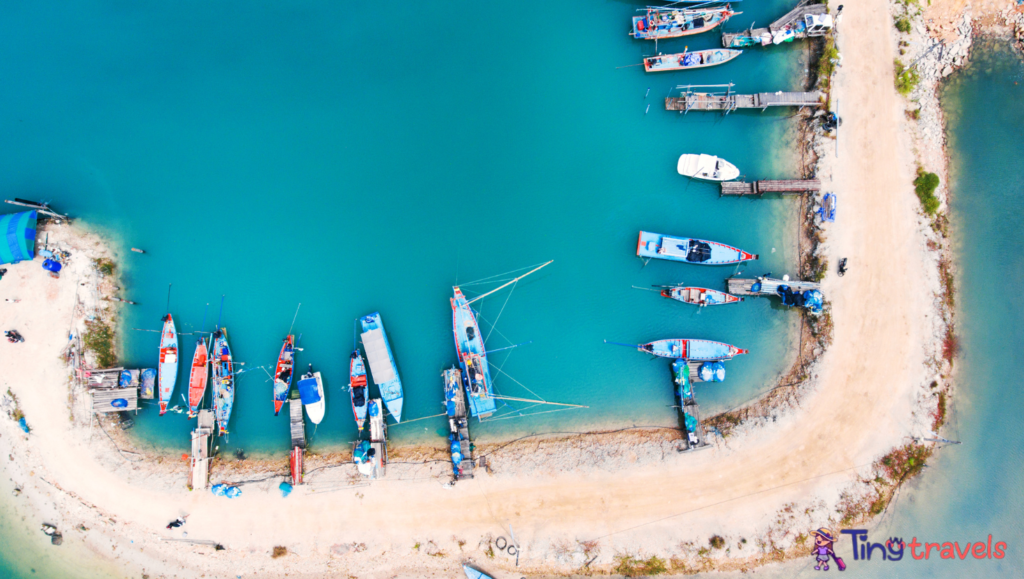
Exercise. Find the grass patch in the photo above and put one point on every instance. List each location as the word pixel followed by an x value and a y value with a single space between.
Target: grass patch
pixel 950 345
pixel 948 285
pixel 99 339
pixel 904 462
pixel 279 551
pixel 631 566
pixel 924 185
pixel 827 64
pixel 939 418
pixel 903 24
pixel 907 79
pixel 104 266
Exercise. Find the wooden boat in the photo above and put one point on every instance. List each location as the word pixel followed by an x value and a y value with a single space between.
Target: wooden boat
pixel 706 168
pixel 662 23
pixel 690 60
pixel 311 392
pixel 168 362
pixel 689 250
pixel 283 373
pixel 357 387
pixel 700 296
pixel 472 573
pixel 383 369
pixel 687 349
pixel 295 460
pixel 469 343
pixel 223 379
pixel 198 378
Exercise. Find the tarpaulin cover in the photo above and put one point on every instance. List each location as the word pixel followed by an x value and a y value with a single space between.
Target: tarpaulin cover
pixel 219 490
pixel 233 492
pixel 19 236
pixel 361 452
pixel 712 372
pixel 691 423
pixel 148 383
pixel 285 488
pixel 308 391
pixel 126 379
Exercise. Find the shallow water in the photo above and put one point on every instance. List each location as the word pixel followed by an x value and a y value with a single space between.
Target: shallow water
pixel 294 155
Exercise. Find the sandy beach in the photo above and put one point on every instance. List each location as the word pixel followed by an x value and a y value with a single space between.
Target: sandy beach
pixel 573 502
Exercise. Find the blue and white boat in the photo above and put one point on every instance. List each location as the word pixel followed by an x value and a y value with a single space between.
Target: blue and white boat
pixel 700 350
pixel 689 250
pixel 472 357
pixel 383 369
pixel 223 379
pixel 472 573
pixel 311 392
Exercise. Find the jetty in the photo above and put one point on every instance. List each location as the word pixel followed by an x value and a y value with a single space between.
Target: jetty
pixel 378 443
pixel 744 287
pixel 202 440
pixel 695 439
pixel 689 411
pixel 298 435
pixel 720 98
pixel 783 187
pixel 112 389
pixel 458 424
pixel 806 20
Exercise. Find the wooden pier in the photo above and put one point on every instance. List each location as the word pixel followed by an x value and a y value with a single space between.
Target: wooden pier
pixel 298 426
pixel 695 440
pixel 379 442
pixel 692 98
pixel 784 187
pixel 459 425
pixel 202 440
pixel 790 19
pixel 742 287
pixel 104 387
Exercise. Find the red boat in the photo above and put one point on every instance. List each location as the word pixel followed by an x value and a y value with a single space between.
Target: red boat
pixel 197 380
pixel 283 373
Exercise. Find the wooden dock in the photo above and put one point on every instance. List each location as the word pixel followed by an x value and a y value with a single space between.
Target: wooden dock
pixel 379 442
pixel 103 399
pixel 742 287
pixel 790 19
pixel 108 378
pixel 784 187
pixel 695 440
pixel 459 425
pixel 199 473
pixel 693 98
pixel 298 426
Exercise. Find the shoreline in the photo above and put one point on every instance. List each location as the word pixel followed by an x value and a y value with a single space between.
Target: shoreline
pixel 544 467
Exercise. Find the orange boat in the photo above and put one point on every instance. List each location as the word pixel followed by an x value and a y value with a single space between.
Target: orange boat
pixel 197 380
pixel 283 373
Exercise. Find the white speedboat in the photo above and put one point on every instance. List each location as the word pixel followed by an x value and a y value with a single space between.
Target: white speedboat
pixel 707 167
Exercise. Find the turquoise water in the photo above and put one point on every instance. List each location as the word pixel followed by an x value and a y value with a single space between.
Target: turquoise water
pixel 294 155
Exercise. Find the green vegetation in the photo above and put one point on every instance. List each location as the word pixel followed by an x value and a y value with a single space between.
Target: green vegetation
pixel 904 462
pixel 827 64
pixel 903 24
pixel 924 185
pixel 99 339
pixel 631 566
pixel 939 418
pixel 907 79
pixel 716 542
pixel 104 266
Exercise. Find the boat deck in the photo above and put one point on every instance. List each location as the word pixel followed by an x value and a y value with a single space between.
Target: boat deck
pixel 199 472
pixel 742 287
pixel 783 186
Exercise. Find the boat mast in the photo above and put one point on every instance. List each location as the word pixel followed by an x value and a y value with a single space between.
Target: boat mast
pixel 504 285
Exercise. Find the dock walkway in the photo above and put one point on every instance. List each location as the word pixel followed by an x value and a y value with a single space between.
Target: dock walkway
pixel 742 287
pixel 379 443
pixel 784 187
pixel 460 426
pixel 105 388
pixel 298 427
pixel 726 101
pixel 199 473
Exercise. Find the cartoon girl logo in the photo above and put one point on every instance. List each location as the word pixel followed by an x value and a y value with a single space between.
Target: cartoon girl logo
pixel 823 541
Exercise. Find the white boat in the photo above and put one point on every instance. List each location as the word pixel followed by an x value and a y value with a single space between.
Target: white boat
pixel 707 167
pixel 311 391
pixel 689 60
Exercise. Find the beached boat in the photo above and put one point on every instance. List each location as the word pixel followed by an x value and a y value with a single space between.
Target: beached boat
pixel 311 391
pixel 700 296
pixel 198 378
pixel 661 23
pixel 690 60
pixel 223 379
pixel 383 369
pixel 685 349
pixel 283 373
pixel 357 387
pixel 469 344
pixel 295 460
pixel 168 362
pixel 472 573
pixel 688 250
pixel 706 168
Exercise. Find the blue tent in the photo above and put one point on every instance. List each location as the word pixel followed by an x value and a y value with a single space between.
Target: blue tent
pixel 19 237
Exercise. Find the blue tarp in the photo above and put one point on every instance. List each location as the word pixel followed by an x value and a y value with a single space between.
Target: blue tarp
pixel 126 379
pixel 233 492
pixel 308 391
pixel 219 490
pixel 712 372
pixel 691 422
pixel 285 488
pixel 19 236
pixel 148 383
pixel 50 265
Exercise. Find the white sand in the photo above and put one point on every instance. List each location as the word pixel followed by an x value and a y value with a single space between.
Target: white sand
pixel 867 388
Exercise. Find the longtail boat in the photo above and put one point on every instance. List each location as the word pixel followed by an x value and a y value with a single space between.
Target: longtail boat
pixel 311 391
pixel 223 379
pixel 283 373
pixel 383 369
pixel 690 60
pixel 689 250
pixel 686 349
pixel 357 387
pixel 661 23
pixel 706 168
pixel 469 344
pixel 700 296
pixel 168 362
pixel 198 378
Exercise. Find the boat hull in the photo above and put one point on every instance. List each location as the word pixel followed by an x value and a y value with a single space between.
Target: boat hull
pixel 283 373
pixel 690 60
pixel 706 168
pixel 690 349
pixel 383 368
pixel 168 368
pixel 700 296
pixel 662 24
pixel 198 379
pixel 689 250
pixel 314 402
pixel 469 344
pixel 357 388
pixel 223 376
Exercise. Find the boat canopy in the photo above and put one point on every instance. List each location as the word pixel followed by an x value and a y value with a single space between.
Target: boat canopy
pixel 707 350
pixel 692 250
pixel 377 353
pixel 19 231
pixel 308 391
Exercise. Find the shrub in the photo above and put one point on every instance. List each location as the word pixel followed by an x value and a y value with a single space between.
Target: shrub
pixel 105 266
pixel 827 63
pixel 903 24
pixel 279 552
pixel 716 542
pixel 906 78
pixel 99 339
pixel 631 566
pixel 924 185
